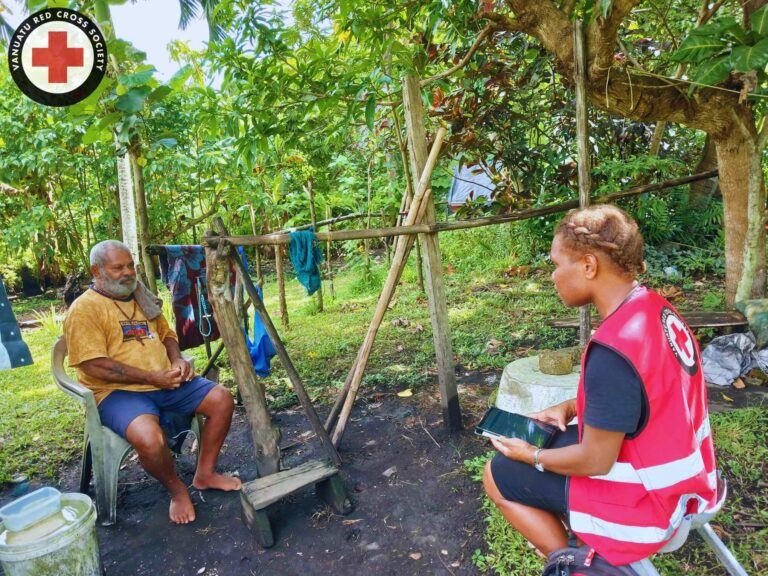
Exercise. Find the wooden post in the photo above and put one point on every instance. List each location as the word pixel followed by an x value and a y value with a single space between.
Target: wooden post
pixel 438 308
pixel 329 270
pixel 418 209
pixel 259 279
pixel 313 216
pixel 582 139
pixel 265 435
pixel 281 286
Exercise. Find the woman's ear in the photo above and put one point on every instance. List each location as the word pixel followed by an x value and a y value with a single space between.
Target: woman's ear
pixel 590 265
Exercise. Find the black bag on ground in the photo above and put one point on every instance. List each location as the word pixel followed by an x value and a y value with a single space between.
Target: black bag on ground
pixel 582 561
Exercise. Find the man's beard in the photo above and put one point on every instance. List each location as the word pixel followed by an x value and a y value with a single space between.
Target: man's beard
pixel 120 288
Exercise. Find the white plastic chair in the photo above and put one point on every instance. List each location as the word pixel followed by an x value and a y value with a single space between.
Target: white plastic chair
pixel 700 523
pixel 103 450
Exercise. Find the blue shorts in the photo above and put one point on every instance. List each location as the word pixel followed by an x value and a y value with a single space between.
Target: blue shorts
pixel 122 407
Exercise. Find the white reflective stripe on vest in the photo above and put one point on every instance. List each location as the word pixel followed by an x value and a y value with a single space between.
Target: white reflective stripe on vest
pixel 703 431
pixel 656 477
pixel 589 524
pixel 662 475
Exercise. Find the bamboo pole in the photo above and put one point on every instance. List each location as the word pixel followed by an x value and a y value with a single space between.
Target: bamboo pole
pixel 418 209
pixel 282 353
pixel 463 224
pixel 582 140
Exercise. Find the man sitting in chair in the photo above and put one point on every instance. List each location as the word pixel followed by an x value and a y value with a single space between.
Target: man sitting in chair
pixel 132 362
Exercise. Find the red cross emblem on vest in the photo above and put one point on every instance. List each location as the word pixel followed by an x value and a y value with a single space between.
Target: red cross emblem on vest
pixel 58 57
pixel 681 339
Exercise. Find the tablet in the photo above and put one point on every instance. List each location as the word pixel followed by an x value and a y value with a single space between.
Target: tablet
pixel 498 422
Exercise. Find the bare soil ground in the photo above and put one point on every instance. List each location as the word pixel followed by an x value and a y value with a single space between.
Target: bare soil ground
pixel 416 510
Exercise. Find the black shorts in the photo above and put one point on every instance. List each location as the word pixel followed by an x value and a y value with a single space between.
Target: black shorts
pixel 522 483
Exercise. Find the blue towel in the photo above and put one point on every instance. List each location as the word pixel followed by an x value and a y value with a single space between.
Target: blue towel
pixel 261 347
pixel 305 256
pixel 13 351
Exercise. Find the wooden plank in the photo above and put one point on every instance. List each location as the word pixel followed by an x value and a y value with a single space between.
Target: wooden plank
pixel 438 306
pixel 262 492
pixel 694 319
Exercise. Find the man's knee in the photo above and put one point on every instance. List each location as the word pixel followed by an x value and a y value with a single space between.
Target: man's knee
pixel 146 435
pixel 218 401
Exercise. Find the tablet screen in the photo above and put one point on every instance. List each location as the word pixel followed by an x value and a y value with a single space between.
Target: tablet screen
pixel 497 422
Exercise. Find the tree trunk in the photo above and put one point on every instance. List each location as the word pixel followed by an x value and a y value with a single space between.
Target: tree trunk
pixel 701 191
pixel 743 189
pixel 127 203
pixel 143 221
pixel 313 216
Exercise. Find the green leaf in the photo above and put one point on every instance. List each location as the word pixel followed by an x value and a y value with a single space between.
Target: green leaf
pixel 697 48
pixel 370 111
pixel 759 21
pixel 133 100
pixel 138 78
pixel 178 80
pixel 746 58
pixel 110 120
pixel 712 72
pixel 159 93
pixel 93 134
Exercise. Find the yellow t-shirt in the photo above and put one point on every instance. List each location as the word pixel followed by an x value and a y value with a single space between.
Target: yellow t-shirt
pixel 97 327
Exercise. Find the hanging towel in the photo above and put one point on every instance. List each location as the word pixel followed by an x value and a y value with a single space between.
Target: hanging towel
pixel 261 348
pixel 13 351
pixel 183 271
pixel 305 256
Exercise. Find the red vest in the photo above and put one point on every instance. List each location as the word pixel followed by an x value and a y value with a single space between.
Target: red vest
pixel 668 470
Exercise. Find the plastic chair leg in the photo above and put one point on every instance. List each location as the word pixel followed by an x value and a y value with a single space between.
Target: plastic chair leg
pixel 645 568
pixel 725 556
pixel 106 468
pixel 86 465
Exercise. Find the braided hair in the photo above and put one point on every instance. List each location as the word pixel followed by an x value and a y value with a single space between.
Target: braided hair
pixel 607 229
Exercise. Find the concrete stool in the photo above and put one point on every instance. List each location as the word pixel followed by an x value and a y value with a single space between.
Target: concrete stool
pixel 524 388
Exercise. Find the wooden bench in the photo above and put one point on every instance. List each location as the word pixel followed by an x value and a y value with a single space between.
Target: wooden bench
pixel 256 496
pixel 727 321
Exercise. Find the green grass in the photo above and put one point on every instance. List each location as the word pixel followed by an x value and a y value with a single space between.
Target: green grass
pixel 741 443
pixel 40 426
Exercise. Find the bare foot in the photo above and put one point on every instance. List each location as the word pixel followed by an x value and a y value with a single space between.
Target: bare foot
pixel 182 511
pixel 217 482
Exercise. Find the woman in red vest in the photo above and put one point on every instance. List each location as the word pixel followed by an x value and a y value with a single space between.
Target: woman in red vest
pixel 641 457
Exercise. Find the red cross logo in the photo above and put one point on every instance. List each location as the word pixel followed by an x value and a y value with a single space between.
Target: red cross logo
pixel 58 57
pixel 681 339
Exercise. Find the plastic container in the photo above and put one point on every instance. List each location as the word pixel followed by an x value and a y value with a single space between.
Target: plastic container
pixel 30 509
pixel 64 543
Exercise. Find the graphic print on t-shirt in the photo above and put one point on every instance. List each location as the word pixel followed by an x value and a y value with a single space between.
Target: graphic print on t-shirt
pixel 680 340
pixel 135 330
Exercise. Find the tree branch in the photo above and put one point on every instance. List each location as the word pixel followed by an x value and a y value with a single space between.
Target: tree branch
pixel 9 190
pixel 478 41
pixel 602 35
